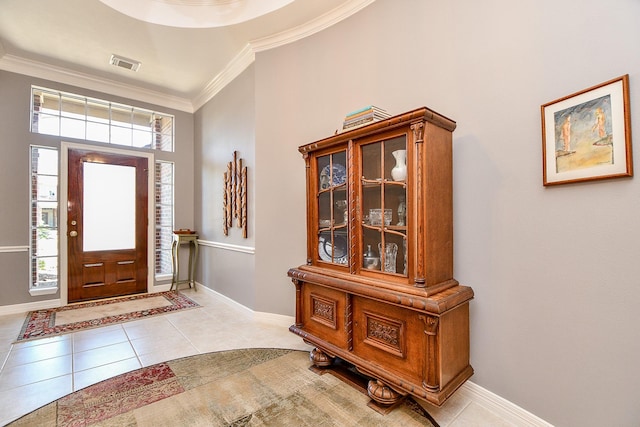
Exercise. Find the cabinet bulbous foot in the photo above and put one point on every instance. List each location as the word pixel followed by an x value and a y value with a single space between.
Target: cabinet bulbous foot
pixel 382 394
pixel 320 358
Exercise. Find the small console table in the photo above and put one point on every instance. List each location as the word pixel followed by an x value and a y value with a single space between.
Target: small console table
pixel 192 240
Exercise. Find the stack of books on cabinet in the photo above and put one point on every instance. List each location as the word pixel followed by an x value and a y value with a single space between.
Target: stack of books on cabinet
pixel 364 116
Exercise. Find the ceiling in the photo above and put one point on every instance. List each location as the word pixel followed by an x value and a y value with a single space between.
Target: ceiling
pixel 188 49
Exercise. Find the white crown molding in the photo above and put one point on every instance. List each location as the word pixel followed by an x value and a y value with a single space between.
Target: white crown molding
pixel 234 68
pixel 247 56
pixel 41 70
pixel 195 14
pixel 316 25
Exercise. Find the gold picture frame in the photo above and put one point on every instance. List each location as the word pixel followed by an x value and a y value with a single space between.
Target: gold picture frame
pixel 587 135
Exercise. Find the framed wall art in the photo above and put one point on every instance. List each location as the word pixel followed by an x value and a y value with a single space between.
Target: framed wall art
pixel 235 196
pixel 587 135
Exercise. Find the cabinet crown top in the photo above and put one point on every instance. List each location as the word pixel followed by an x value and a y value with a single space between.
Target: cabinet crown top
pixel 422 114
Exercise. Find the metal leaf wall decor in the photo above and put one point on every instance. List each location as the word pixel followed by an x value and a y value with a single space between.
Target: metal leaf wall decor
pixel 235 196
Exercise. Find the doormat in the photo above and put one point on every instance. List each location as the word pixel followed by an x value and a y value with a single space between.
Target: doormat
pixel 94 314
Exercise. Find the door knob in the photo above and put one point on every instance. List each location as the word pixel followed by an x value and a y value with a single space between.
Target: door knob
pixel 73 233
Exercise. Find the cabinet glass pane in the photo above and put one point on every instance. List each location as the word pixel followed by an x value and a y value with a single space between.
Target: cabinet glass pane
pixel 384 196
pixel 395 164
pixel 333 246
pixel 324 210
pixel 332 208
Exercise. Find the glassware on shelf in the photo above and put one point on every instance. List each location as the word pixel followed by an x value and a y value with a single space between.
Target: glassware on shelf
pixel 402 211
pixel 404 251
pixel 370 261
pixel 375 216
pixel 390 253
pixel 342 206
pixel 325 223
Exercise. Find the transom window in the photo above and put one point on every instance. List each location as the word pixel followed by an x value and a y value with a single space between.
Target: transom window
pixel 76 116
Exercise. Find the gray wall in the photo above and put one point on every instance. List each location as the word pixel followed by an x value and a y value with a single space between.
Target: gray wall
pixel 15 139
pixel 224 125
pixel 554 322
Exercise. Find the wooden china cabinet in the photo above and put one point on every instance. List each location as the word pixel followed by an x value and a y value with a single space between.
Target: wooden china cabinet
pixel 377 290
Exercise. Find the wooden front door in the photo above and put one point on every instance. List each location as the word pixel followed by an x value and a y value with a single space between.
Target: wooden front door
pixel 107 225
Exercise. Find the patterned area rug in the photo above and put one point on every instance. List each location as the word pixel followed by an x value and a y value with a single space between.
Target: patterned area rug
pixel 76 317
pixel 250 387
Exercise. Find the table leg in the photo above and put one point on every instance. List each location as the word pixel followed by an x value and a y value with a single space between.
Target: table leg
pixel 175 264
pixel 195 262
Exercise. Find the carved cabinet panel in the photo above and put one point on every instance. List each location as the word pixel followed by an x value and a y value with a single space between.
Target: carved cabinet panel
pixel 325 314
pixel 388 335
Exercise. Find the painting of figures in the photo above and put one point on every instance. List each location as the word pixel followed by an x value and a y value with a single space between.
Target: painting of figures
pixel 583 136
pixel 587 135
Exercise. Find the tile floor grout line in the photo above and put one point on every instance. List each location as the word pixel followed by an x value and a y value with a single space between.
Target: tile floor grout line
pixel 6 359
pixel 133 347
pixel 37 382
pixel 183 335
pixel 73 362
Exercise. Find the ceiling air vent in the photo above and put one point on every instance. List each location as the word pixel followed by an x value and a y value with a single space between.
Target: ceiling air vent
pixel 121 62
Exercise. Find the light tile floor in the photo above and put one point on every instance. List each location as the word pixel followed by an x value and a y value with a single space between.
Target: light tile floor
pixel 34 373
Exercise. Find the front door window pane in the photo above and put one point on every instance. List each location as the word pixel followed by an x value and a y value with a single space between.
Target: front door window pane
pixel 109 207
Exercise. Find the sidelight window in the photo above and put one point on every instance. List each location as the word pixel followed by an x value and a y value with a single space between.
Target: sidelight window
pixel 44 218
pixel 164 216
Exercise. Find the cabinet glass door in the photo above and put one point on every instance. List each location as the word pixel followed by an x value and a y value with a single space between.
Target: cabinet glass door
pixel 384 205
pixel 333 212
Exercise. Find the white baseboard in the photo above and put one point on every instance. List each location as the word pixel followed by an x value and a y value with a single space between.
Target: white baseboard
pixel 30 306
pixel 502 407
pixel 159 288
pixel 275 319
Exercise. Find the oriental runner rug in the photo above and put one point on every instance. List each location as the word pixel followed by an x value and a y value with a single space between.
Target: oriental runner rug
pixel 249 387
pixel 80 316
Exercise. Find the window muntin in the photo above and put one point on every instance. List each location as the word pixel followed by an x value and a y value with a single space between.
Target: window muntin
pixel 75 116
pixel 44 217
